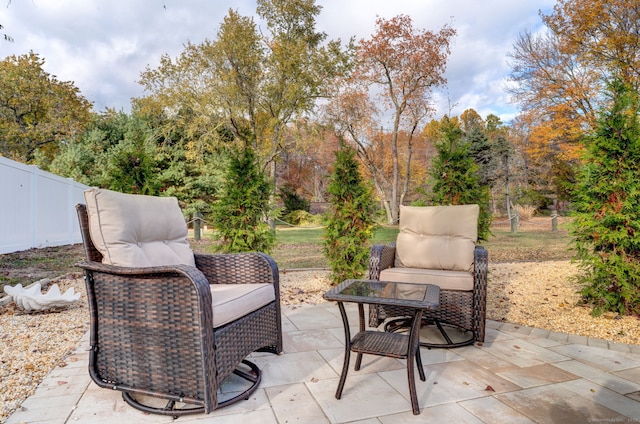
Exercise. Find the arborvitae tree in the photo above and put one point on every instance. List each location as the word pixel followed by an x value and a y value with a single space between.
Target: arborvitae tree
pixel 480 151
pixel 292 201
pixel 240 215
pixel 454 176
pixel 351 223
pixel 607 200
pixel 131 165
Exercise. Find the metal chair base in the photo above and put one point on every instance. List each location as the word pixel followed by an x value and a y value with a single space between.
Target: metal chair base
pixel 404 324
pixel 254 376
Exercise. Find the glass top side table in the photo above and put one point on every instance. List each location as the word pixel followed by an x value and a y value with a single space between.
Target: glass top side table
pixel 416 296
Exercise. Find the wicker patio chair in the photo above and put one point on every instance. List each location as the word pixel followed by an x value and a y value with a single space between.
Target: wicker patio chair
pixel 172 333
pixel 437 245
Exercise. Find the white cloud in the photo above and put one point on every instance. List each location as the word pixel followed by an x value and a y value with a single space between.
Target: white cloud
pixel 103 46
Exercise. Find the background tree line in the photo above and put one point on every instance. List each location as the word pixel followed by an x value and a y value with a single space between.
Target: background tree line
pixel 288 94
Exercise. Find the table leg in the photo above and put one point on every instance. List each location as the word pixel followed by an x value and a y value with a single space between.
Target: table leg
pixel 347 350
pixel 362 328
pixel 414 353
pixel 419 364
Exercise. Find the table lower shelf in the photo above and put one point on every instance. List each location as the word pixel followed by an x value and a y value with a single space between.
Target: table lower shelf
pixel 380 343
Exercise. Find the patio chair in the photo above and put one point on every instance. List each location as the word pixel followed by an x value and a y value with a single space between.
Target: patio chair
pixel 437 245
pixel 166 324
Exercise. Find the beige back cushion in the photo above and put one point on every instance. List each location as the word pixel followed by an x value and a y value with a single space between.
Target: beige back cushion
pixel 437 237
pixel 137 231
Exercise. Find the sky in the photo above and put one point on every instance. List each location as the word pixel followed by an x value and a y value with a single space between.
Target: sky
pixel 102 46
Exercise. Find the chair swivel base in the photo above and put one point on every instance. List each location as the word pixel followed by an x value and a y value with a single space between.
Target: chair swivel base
pixel 254 376
pixel 404 324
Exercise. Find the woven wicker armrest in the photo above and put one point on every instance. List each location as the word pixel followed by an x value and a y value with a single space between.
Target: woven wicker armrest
pixel 187 270
pixel 382 257
pixel 161 279
pixel 157 272
pixel 238 268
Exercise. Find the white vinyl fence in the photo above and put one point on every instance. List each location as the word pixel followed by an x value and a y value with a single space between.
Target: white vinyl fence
pixel 37 208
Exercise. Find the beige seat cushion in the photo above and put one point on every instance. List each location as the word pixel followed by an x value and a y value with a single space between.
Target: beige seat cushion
pixel 137 231
pixel 446 280
pixel 232 301
pixel 437 237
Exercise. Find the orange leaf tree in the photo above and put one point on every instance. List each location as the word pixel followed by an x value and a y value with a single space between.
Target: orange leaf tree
pixel 559 76
pixel 396 71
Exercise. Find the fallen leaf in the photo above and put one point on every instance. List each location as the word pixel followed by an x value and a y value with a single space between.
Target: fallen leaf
pixel 490 389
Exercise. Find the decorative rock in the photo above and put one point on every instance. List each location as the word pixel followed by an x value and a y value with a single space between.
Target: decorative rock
pixel 31 298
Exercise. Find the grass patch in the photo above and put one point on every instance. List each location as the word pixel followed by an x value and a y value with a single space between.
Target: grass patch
pixel 302 247
pixel 505 246
pixel 31 265
pixel 295 248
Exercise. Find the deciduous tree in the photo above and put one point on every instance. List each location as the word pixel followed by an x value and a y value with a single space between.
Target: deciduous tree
pixel 396 71
pixel 559 77
pixel 252 83
pixel 37 111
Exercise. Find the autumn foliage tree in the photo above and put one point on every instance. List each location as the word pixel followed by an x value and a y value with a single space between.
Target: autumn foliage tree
pixel 558 76
pixel 249 81
pixel 396 71
pixel 37 111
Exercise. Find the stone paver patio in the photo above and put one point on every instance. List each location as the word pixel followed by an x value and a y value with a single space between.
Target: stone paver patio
pixel 519 375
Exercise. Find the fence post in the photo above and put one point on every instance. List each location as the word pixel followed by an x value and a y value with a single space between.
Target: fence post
pixel 515 222
pixel 33 213
pixel 196 225
pixel 554 222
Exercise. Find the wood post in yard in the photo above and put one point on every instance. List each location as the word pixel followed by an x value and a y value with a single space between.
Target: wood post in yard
pixel 197 217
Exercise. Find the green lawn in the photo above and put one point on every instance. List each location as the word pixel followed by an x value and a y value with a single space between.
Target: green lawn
pixel 302 248
pixel 296 248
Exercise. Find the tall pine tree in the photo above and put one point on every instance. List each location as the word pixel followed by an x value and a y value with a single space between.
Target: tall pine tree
pixel 454 176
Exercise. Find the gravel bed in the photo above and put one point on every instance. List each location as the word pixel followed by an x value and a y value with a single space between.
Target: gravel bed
pixel 536 294
pixel 33 344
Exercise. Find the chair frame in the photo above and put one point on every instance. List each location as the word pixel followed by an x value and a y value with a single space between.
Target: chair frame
pixel 152 335
pixel 464 310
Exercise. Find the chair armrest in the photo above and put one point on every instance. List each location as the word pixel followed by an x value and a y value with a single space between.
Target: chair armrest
pixel 189 272
pixel 480 281
pixel 128 292
pixel 238 268
pixel 481 266
pixel 382 257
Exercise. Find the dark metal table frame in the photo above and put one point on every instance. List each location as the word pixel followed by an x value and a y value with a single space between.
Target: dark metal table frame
pixel 394 345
